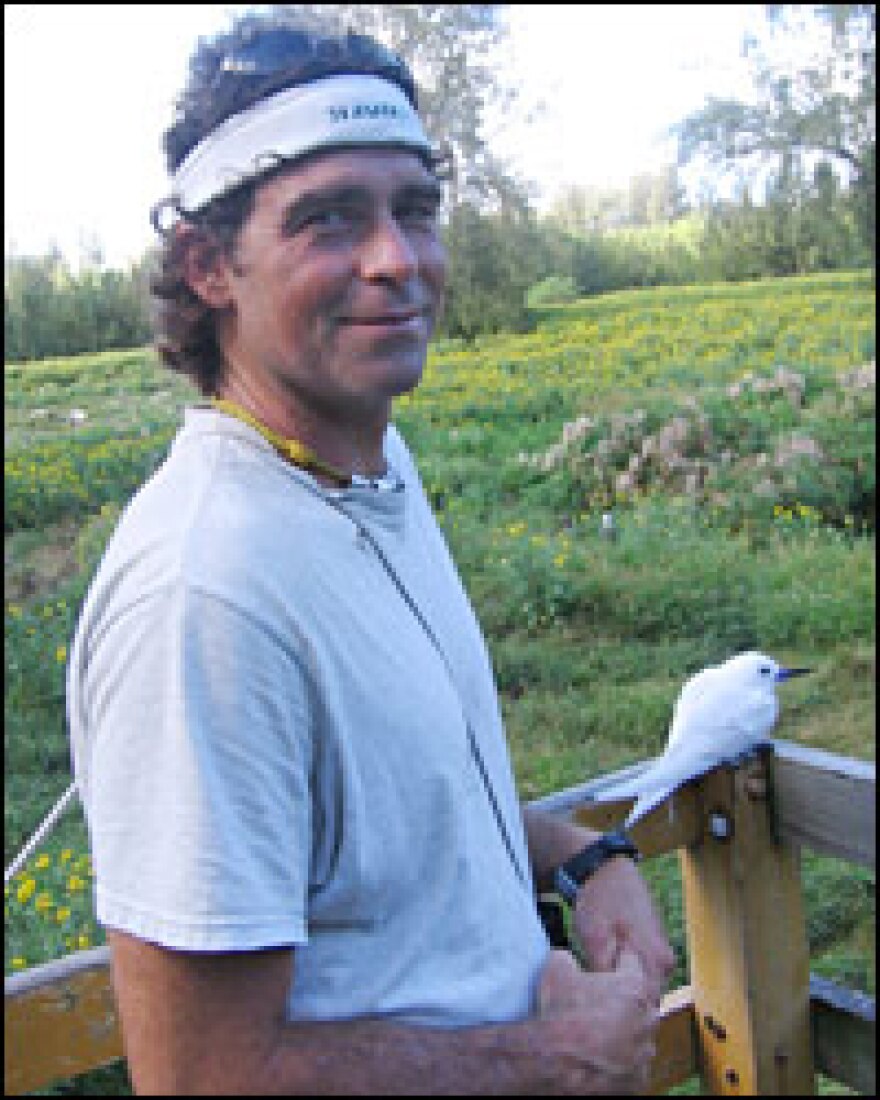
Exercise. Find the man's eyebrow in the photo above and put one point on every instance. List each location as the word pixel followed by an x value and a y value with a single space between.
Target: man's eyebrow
pixel 430 191
pixel 320 197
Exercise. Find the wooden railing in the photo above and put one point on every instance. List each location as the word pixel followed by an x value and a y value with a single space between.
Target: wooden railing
pixel 752 1021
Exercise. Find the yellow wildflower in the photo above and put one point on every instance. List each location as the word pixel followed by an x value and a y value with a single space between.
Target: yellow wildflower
pixel 26 890
pixel 18 963
pixel 75 883
pixel 61 914
pixel 83 940
pixel 61 654
pixel 42 862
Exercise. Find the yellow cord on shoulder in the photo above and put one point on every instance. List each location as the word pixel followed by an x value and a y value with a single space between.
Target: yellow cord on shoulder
pixel 292 449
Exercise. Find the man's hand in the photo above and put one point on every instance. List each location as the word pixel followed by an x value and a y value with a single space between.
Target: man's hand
pixel 614 911
pixel 613 907
pixel 605 1020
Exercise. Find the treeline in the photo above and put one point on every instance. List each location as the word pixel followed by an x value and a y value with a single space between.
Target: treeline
pixel 592 243
pixel 51 310
pixel 505 262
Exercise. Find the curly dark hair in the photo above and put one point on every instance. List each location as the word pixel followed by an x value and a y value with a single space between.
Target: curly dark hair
pixel 259 56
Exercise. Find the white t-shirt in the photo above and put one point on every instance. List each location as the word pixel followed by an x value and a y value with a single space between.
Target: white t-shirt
pixel 271 750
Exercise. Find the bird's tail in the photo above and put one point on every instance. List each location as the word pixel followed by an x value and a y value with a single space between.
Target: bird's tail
pixel 622 784
pixel 645 804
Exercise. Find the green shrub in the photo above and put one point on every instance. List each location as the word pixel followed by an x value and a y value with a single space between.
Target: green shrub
pixel 553 290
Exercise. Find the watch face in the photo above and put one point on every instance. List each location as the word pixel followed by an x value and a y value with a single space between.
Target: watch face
pixel 566 886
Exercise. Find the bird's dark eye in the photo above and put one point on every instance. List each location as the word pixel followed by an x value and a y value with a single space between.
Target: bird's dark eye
pixel 765 670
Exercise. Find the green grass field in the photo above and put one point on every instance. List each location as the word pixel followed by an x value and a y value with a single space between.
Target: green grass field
pixel 728 428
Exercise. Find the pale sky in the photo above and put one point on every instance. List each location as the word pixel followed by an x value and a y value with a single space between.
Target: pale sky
pixel 89 90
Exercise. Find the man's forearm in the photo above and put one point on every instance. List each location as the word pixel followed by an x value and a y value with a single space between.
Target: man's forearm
pixel 199 1024
pixel 375 1057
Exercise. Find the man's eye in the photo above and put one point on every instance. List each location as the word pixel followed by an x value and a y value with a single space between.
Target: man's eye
pixel 425 213
pixel 329 219
pixel 332 218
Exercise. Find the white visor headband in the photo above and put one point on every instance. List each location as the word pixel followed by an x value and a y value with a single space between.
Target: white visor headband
pixel 333 111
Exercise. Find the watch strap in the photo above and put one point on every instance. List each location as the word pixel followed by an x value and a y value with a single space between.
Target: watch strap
pixel 574 872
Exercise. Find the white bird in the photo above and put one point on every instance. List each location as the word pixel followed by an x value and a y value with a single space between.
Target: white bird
pixel 721 714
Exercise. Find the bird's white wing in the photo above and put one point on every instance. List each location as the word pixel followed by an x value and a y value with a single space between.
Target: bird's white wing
pixel 664 776
pixel 680 764
pixel 718 726
pixel 699 690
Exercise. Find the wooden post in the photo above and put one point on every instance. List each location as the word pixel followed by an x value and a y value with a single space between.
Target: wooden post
pixel 749 959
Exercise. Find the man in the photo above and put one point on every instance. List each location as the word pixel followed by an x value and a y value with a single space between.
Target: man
pixel 309 856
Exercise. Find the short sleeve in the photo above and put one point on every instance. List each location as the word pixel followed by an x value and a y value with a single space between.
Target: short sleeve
pixel 198 776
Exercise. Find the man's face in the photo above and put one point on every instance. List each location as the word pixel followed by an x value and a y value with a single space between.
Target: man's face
pixel 337 281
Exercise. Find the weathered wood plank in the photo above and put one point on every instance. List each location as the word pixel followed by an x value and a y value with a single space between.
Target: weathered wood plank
pixel 59 1020
pixel 676 1057
pixel 749 962
pixel 844 1036
pixel 825 802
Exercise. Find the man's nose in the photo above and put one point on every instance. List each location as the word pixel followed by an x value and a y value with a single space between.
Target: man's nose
pixel 388 252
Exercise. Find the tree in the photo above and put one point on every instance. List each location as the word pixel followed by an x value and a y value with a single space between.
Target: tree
pixel 49 311
pixel 647 199
pixel 31 287
pixel 823 108
pixel 449 48
pixel 494 259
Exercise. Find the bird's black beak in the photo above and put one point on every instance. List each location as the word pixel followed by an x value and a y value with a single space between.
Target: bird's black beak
pixel 787 673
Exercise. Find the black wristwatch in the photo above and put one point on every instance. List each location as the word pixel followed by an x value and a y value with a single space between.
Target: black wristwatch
pixel 571 875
